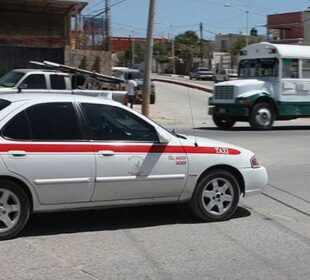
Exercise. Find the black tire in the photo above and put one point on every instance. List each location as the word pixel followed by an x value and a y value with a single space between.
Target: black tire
pixel 12 197
pixel 223 122
pixel 262 116
pixel 152 99
pixel 216 196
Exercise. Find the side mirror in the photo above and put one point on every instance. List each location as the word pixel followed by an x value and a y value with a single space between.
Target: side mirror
pixel 22 86
pixel 162 139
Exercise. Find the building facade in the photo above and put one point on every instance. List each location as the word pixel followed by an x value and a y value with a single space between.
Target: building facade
pixel 286 28
pixel 35 30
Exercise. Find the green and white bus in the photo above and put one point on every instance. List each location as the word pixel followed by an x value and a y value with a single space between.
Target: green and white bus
pixel 273 84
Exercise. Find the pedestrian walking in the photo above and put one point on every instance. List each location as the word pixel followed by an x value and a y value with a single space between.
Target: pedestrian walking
pixel 131 90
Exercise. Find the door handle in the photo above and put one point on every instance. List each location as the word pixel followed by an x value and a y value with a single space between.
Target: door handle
pixel 17 154
pixel 106 153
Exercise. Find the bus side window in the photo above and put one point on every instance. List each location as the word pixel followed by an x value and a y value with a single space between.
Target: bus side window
pixel 306 68
pixel 290 68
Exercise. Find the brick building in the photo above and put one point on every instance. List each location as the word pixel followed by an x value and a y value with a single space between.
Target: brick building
pixel 286 28
pixel 119 44
pixel 35 30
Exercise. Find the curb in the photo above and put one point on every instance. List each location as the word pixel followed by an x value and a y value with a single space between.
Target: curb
pixel 203 88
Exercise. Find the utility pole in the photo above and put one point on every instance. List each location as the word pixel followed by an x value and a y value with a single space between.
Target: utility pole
pixel 201 43
pixel 133 50
pixel 107 25
pixel 172 50
pixel 247 28
pixel 148 60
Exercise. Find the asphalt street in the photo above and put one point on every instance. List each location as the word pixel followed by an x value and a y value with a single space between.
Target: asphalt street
pixel 268 237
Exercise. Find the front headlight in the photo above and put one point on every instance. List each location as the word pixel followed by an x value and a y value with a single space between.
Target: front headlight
pixel 254 162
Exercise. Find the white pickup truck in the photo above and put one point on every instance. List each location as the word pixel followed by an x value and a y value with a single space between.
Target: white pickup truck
pixel 53 81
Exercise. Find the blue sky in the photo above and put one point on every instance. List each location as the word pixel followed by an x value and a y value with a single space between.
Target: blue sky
pixel 129 17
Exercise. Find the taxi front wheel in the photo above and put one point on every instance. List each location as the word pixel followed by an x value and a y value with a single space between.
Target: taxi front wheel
pixel 14 209
pixel 216 196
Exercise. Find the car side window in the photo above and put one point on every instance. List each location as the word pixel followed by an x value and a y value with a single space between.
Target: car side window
pixel 44 122
pixel 114 123
pixel 58 82
pixel 35 81
pixel 17 128
pixel 54 121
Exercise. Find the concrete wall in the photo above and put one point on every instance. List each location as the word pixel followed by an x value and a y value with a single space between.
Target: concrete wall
pixel 91 60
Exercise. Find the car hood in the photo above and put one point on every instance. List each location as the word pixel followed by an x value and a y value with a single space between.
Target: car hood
pixel 207 142
pixel 204 146
pixel 7 89
pixel 211 143
pixel 140 82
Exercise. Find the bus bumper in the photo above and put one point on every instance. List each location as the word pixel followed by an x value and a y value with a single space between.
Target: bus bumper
pixel 229 111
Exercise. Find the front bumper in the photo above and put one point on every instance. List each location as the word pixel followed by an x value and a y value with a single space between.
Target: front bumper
pixel 229 110
pixel 255 180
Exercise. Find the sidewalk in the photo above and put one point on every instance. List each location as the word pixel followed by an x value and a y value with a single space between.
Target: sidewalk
pixel 190 84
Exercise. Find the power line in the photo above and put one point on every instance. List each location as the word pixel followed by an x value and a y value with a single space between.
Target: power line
pixel 109 8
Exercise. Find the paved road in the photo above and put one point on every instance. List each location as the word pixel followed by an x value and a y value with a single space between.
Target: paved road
pixel 266 239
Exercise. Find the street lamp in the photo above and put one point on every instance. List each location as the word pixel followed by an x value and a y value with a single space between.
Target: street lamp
pixel 246 22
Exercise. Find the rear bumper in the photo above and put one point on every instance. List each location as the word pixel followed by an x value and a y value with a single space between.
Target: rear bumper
pixel 255 180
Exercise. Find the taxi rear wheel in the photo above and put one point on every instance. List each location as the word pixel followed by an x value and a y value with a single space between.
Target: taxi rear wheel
pixel 216 196
pixel 14 209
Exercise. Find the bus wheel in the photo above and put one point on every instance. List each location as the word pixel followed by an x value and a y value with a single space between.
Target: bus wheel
pixel 262 116
pixel 223 122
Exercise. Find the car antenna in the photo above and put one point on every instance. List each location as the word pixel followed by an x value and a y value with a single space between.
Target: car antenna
pixel 192 116
pixel 173 130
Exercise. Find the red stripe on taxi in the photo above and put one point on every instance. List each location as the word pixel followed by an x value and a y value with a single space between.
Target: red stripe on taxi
pixel 79 148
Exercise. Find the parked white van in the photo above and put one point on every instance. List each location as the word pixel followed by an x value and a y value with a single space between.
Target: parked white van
pixel 274 84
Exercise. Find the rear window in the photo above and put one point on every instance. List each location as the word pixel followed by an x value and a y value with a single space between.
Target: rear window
pixel 4 104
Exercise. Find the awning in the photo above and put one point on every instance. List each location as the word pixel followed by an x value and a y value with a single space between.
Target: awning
pixel 43 6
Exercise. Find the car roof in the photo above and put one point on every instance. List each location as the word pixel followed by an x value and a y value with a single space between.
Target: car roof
pixel 54 97
pixel 26 70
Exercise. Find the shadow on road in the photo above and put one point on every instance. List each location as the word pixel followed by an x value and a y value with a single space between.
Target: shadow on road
pixel 112 219
pixel 275 128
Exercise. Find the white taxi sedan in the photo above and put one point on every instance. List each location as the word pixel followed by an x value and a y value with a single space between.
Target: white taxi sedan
pixel 72 152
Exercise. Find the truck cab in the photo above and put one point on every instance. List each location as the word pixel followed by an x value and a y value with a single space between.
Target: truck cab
pixel 55 81
pixel 274 85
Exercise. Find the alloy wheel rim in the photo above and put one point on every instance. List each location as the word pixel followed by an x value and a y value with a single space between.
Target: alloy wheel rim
pixel 263 117
pixel 10 210
pixel 217 196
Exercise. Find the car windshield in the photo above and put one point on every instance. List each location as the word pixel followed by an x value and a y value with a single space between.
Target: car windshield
pixel 263 67
pixel 11 78
pixel 135 75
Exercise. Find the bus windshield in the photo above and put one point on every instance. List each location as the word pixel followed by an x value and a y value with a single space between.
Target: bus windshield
pixel 263 67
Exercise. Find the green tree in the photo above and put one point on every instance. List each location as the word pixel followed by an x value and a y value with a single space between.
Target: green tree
pixel 187 47
pixel 238 45
pixel 139 52
pixel 162 51
pixel 241 43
